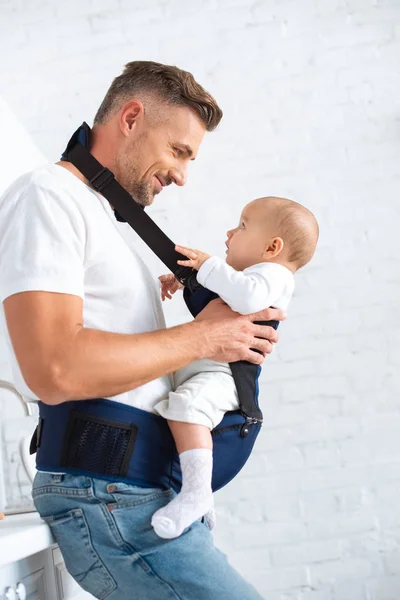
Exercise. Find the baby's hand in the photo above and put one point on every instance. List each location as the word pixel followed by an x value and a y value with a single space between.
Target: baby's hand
pixel 169 285
pixel 196 257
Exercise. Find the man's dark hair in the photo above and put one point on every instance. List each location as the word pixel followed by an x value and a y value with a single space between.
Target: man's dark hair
pixel 170 84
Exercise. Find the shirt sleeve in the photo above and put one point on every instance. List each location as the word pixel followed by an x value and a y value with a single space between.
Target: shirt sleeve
pixel 42 243
pixel 247 291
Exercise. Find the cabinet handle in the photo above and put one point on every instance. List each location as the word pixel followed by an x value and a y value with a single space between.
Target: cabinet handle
pixel 21 591
pixel 10 594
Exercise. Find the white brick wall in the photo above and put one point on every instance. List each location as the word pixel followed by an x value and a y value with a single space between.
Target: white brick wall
pixel 309 92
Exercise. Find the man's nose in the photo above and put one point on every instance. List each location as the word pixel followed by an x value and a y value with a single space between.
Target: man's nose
pixel 179 175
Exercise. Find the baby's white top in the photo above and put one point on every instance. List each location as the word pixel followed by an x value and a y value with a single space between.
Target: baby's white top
pixel 255 288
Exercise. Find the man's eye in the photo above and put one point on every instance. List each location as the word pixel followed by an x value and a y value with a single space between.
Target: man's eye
pixel 178 151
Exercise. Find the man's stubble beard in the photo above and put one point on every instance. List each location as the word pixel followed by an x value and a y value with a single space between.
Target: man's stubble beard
pixel 128 176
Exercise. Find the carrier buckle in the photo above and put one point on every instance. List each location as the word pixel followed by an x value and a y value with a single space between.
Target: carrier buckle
pixel 102 179
pixel 245 429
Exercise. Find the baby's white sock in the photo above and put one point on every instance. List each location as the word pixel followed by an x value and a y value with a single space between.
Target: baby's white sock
pixel 195 498
pixel 210 518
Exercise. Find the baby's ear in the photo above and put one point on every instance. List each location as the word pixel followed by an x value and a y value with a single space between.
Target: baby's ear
pixel 274 247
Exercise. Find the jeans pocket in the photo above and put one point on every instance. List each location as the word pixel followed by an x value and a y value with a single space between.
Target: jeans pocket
pixel 125 494
pixel 71 533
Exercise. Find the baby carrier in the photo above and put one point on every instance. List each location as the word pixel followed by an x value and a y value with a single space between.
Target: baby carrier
pixel 110 440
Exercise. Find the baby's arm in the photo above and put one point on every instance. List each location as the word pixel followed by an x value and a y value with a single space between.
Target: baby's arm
pixel 245 292
pixel 169 285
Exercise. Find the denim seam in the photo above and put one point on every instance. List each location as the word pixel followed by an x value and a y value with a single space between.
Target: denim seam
pixel 78 513
pixel 135 555
pixel 58 519
pixel 115 586
pixel 113 529
pixel 138 502
pixel 152 573
pixel 58 491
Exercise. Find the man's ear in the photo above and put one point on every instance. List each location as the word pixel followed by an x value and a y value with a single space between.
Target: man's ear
pixel 130 114
pixel 274 247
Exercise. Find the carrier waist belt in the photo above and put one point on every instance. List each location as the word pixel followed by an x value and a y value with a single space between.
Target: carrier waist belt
pixel 109 440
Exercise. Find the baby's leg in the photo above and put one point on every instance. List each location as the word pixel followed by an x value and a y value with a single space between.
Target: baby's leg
pixel 201 402
pixel 195 499
pixel 188 436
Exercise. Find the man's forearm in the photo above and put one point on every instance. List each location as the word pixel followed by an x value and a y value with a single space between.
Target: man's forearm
pixel 60 360
pixel 101 364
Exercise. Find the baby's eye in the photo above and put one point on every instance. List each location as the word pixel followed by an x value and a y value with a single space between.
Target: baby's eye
pixel 241 226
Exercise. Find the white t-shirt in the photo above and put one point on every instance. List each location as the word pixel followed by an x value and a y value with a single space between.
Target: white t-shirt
pixel 58 235
pixel 251 290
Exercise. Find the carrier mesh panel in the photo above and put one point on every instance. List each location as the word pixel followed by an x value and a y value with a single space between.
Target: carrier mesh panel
pixel 98 447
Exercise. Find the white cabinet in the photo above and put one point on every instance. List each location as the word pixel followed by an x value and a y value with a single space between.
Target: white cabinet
pixel 29 577
pixel 42 576
pixel 67 587
pixel 31 587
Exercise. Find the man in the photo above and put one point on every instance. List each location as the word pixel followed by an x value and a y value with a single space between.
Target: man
pixel 84 320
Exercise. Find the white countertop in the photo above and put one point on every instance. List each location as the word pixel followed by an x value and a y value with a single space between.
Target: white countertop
pixel 23 535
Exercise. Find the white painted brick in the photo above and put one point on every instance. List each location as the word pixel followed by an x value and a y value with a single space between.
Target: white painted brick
pixel 310 552
pixel 353 500
pixel 273 439
pixel 276 595
pixel 290 370
pixel 286 459
pixel 349 590
pixel 321 429
pixel 369 449
pixel 384 473
pixel 301 412
pixel 330 572
pixel 338 526
pixel 255 559
pixel 374 544
pixel 304 388
pixel 388 511
pixel 391 562
pixel 315 505
pixel 384 588
pixel 320 594
pixel 245 511
pixel 280 508
pixel 259 535
pixel 280 579
pixel 321 455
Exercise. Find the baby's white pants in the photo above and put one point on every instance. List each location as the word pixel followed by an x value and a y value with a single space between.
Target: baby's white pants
pixel 204 392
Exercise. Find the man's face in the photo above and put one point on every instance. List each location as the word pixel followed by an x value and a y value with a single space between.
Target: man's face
pixel 158 155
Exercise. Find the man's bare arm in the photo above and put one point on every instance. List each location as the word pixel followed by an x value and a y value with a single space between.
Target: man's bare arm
pixel 61 360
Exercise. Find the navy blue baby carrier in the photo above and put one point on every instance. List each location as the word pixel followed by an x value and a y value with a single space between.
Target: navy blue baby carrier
pixel 110 440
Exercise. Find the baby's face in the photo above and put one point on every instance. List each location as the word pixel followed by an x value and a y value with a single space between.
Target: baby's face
pixel 247 242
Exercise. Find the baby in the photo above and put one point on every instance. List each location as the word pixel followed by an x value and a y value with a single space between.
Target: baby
pixel 275 237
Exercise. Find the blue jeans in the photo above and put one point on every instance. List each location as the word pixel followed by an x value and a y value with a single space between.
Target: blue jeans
pixel 109 547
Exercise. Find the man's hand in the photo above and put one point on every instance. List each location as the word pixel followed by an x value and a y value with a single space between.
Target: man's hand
pixel 196 257
pixel 234 337
pixel 169 285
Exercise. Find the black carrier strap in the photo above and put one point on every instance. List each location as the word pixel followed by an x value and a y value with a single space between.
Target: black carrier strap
pixel 125 207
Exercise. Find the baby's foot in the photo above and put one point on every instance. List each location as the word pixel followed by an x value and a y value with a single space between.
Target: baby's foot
pixel 194 500
pixel 171 520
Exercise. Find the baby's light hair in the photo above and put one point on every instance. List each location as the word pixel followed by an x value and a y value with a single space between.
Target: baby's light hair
pixel 297 227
